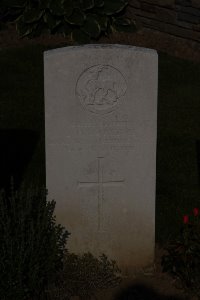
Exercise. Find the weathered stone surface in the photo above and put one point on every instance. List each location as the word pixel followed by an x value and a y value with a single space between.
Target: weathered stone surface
pixel 173 29
pixel 159 13
pixel 190 10
pixel 196 3
pixel 166 3
pixel 183 2
pixel 166 15
pixel 135 3
pixel 148 7
pixel 185 24
pixel 188 18
pixel 100 119
pixel 139 12
pixel 177 17
pixel 196 27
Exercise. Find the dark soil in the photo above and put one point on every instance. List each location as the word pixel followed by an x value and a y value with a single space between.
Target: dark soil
pixel 147 285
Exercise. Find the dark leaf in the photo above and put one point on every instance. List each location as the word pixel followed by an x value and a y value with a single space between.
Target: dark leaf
pixel 24 29
pixel 121 21
pixel 3 26
pixel 51 21
pixel 68 7
pixel 113 7
pixel 32 15
pixel 103 22
pixel 91 26
pixel 124 28
pixel 38 29
pixel 80 37
pixel 98 3
pixel 87 4
pixel 77 3
pixel 109 29
pixel 13 3
pixel 56 8
pixel 98 11
pixel 15 13
pixel 64 28
pixel 77 17
pixel 43 4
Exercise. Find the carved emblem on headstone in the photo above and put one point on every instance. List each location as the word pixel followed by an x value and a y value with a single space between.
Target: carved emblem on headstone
pixel 100 88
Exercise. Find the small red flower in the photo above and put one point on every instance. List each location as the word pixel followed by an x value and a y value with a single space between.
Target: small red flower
pixel 196 211
pixel 185 219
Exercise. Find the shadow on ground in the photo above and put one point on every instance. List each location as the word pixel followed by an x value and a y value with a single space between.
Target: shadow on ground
pixel 142 292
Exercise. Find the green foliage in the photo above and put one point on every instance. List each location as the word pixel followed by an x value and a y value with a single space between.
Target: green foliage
pixel 32 247
pixel 34 263
pixel 83 275
pixel 183 258
pixel 84 20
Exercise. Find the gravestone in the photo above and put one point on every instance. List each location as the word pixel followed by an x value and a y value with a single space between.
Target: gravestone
pixel 101 119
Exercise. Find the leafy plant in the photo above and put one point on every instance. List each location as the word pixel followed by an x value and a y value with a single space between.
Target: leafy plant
pixel 34 263
pixel 183 258
pixel 82 19
pixel 32 247
pixel 83 275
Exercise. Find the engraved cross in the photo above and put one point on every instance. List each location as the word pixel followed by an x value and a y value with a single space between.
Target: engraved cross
pixel 100 183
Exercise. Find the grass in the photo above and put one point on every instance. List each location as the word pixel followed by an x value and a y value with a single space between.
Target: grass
pixel 22 107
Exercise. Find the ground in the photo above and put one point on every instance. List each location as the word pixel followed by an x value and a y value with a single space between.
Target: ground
pixel 149 285
pixel 162 284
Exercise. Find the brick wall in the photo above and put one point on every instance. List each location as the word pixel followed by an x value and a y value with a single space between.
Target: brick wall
pixel 177 17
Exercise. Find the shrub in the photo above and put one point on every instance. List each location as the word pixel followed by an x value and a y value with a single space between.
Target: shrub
pixel 183 258
pixel 34 263
pixel 84 20
pixel 83 275
pixel 32 247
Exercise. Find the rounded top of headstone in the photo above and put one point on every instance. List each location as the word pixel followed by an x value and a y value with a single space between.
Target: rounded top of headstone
pixel 100 47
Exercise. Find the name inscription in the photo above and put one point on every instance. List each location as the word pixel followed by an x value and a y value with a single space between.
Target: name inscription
pixel 118 136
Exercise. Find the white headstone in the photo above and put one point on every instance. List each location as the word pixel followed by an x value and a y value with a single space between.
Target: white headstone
pixel 101 121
